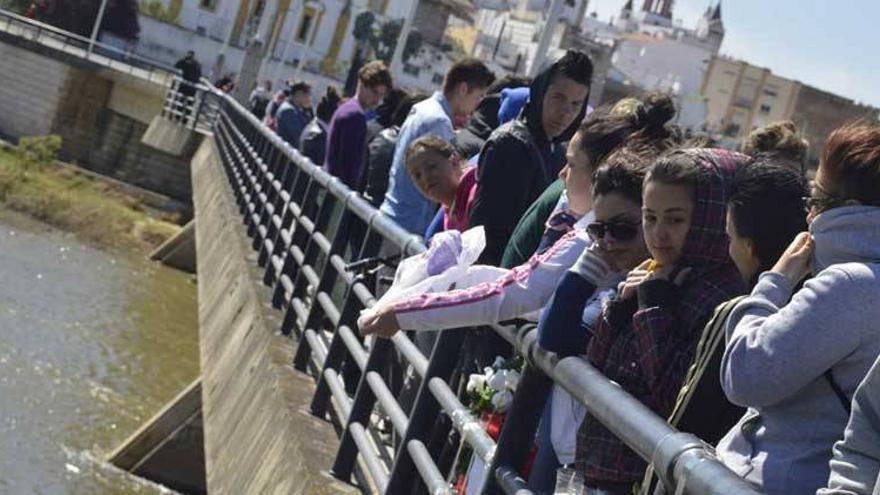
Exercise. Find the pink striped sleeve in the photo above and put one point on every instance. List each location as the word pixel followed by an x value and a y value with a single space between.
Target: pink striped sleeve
pixel 522 290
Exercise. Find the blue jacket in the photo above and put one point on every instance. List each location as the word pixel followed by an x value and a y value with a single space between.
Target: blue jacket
pixel 291 122
pixel 403 202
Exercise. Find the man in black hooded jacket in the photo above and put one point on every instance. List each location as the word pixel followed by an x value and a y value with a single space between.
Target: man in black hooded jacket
pixel 521 158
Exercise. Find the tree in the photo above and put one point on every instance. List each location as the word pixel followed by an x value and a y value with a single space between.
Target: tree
pixel 363 33
pixel 78 16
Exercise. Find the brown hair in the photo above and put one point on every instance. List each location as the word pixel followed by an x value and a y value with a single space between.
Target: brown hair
pixel 778 140
pixel 375 74
pixel 470 71
pixel 423 147
pixel 851 162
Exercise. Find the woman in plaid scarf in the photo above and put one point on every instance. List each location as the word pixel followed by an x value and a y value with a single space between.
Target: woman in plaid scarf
pixel 647 336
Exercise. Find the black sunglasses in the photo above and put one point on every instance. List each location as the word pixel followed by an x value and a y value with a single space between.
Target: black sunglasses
pixel 821 200
pixel 621 231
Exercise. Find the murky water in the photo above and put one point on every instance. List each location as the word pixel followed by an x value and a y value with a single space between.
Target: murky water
pixel 91 345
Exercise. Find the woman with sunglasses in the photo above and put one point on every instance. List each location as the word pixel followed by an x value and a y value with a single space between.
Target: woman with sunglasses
pixel 794 357
pixel 646 337
pixel 576 306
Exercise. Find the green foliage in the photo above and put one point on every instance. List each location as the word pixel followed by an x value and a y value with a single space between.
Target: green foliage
pixel 386 41
pixel 363 26
pixel 413 45
pixel 38 152
pixel 156 10
pixel 18 6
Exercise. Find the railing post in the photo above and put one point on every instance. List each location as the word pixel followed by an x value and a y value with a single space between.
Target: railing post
pixel 426 410
pixel 361 409
pixel 328 275
pixel 336 352
pixel 520 424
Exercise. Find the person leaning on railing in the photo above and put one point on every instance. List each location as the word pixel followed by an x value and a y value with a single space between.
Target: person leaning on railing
pixel 647 335
pixel 526 288
pixel 795 357
pixel 574 311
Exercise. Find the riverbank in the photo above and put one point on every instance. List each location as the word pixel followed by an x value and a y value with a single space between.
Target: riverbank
pixel 98 212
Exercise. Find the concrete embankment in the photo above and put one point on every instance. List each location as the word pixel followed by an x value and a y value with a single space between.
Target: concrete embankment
pixel 259 437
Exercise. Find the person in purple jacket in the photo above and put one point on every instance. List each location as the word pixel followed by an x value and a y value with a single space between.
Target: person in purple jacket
pixel 346 140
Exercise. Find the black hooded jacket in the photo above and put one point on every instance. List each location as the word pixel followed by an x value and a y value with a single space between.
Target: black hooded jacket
pixel 516 164
pixel 470 140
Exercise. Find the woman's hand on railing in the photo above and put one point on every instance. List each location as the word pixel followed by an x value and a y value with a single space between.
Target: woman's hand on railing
pixel 382 323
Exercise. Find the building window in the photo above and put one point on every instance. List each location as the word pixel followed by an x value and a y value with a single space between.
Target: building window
pixel 411 69
pixel 208 5
pixel 305 24
pixel 437 79
pixel 771 93
pixel 765 108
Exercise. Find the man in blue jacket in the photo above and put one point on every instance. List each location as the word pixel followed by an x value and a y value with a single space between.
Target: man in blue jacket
pixel 295 113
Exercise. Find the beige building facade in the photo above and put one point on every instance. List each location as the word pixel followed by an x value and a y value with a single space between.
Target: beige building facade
pixel 741 97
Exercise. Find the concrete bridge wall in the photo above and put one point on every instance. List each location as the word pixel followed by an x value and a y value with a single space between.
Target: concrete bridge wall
pixel 101 115
pixel 259 437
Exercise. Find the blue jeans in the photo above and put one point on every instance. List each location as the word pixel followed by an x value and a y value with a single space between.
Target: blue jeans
pixel 543 476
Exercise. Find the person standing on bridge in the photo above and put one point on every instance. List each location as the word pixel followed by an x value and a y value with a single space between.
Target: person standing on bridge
pixel 295 113
pixel 465 85
pixel 191 72
pixel 347 138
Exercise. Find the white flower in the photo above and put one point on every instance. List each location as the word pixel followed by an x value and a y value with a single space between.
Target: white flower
pixel 498 380
pixel 475 382
pixel 511 380
pixel 501 401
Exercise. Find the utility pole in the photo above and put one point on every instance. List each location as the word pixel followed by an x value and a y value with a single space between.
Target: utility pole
pixel 546 36
pixel 97 28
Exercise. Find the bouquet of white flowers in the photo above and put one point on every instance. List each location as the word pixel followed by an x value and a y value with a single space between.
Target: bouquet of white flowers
pixel 493 389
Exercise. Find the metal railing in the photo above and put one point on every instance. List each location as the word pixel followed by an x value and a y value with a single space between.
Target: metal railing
pixel 191 105
pixel 74 44
pixel 308 228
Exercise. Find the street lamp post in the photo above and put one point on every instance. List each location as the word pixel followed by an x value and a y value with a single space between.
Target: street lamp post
pixel 97 28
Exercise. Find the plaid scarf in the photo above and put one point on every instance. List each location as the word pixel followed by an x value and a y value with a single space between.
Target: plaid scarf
pixel 649 351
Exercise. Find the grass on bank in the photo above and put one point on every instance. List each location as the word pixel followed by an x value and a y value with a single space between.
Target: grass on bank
pixel 98 212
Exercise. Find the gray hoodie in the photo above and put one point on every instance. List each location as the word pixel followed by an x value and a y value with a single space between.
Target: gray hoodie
pixel 856 459
pixel 778 350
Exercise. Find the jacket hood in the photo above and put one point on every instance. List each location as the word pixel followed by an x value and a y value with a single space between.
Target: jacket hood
pixel 485 117
pixel 846 234
pixel 706 244
pixel 531 113
pixel 512 102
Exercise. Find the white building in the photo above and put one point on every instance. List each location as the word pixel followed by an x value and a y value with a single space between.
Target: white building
pixel 312 36
pixel 654 52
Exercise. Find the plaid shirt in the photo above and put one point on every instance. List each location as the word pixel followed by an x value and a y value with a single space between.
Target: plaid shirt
pixel 647 345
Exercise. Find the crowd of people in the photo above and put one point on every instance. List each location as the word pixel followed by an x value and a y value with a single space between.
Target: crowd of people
pixel 722 289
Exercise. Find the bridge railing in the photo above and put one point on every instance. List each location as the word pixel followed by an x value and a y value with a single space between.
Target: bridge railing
pixel 191 105
pixel 308 229
pixel 81 46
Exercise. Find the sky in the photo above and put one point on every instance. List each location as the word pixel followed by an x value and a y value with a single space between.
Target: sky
pixel 833 45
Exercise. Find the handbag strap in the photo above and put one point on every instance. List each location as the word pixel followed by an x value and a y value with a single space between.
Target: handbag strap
pixel 844 400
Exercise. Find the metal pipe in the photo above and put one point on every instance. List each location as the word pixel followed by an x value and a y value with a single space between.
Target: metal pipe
pixel 434 480
pixel 471 428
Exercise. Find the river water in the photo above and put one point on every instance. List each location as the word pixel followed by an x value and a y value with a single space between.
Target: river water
pixel 92 344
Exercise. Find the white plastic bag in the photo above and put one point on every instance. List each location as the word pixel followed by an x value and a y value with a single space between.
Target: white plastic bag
pixel 446 265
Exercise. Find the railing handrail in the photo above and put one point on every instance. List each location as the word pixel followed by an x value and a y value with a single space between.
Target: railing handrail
pixel 409 243
pixel 42 26
pixel 680 459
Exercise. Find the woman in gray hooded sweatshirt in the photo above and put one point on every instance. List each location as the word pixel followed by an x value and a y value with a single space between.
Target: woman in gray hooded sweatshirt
pixel 795 359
